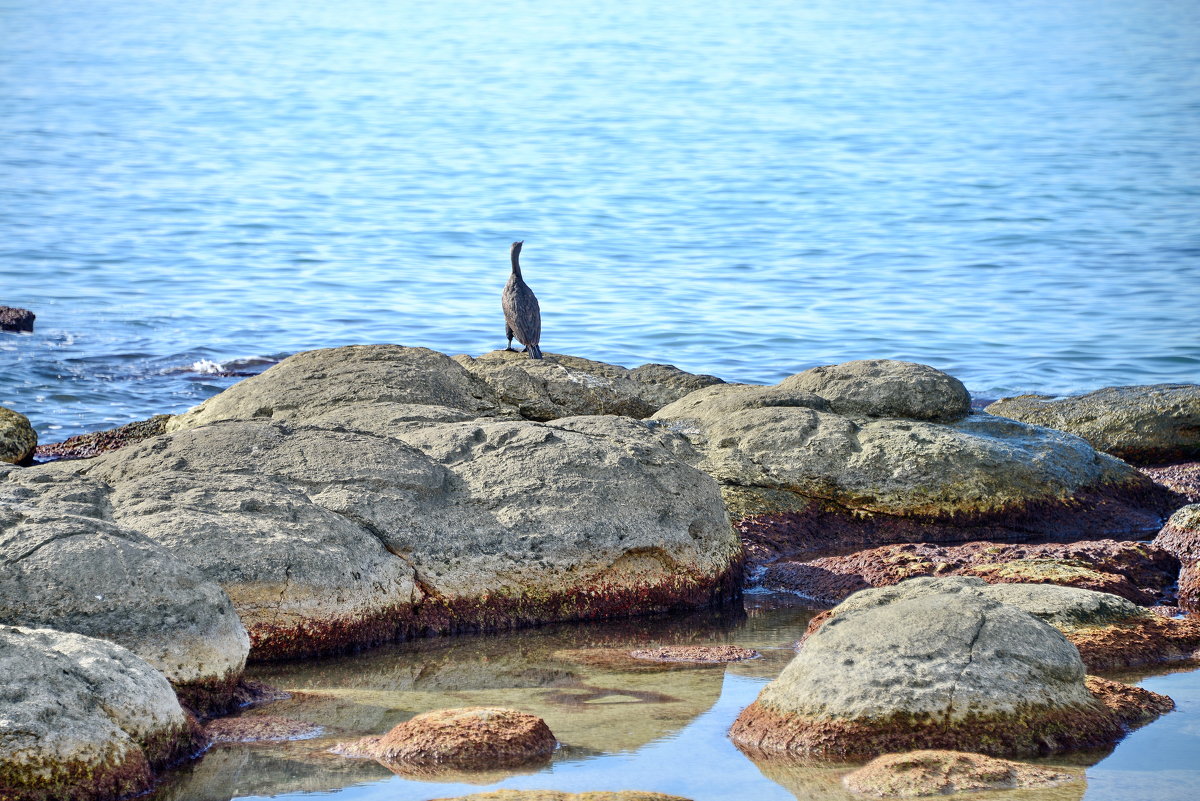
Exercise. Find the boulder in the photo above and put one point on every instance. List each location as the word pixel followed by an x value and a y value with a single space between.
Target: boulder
pixel 1181 535
pixel 1142 573
pixel 798 477
pixel 17 437
pixel 84 718
pixel 1155 424
pixel 472 738
pixel 886 388
pixel 916 774
pixel 331 539
pixel 930 669
pixel 1189 587
pixel 14 319
pixel 63 567
pixel 331 380
pixel 567 386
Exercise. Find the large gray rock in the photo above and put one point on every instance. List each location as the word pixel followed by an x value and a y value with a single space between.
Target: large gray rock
pixel 62 566
pixel 329 381
pixel 566 386
pixel 328 539
pixel 17 437
pixel 798 476
pixel 935 670
pixel 1154 424
pixel 886 388
pixel 83 718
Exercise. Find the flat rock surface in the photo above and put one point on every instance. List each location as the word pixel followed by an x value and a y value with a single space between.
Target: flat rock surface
pixel 917 774
pixel 1156 424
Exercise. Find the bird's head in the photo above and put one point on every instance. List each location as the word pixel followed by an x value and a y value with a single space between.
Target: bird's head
pixel 516 247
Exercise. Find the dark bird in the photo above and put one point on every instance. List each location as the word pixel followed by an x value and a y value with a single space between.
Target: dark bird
pixel 522 316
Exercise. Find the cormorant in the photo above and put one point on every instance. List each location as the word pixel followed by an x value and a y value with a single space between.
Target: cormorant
pixel 522 316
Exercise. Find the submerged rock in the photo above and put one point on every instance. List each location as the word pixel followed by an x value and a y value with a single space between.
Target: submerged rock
pixel 708 654
pixel 799 477
pixel 567 386
pixel 928 666
pixel 82 574
pixel 258 728
pixel 14 319
pixel 917 774
pixel 84 718
pixel 1155 424
pixel 17 437
pixel 558 795
pixel 1142 573
pixel 472 738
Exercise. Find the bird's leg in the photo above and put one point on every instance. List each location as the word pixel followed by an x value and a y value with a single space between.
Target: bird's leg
pixel 508 333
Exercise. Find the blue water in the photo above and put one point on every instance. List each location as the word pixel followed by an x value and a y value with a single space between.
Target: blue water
pixel 1006 190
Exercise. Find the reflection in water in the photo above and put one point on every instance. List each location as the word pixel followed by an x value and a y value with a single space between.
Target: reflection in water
pixel 622 723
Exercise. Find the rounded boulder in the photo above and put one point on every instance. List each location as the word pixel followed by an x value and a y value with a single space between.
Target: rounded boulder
pixel 886 388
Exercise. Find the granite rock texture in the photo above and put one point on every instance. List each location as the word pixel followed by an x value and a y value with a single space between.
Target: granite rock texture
pixel 1156 424
pixel 886 388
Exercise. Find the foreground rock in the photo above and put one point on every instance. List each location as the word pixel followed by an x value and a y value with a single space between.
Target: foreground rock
pixel 1181 536
pixel 473 738
pixel 1156 424
pixel 1144 574
pixel 923 773
pixel 17 437
pixel 84 446
pixel 83 718
pixel 939 667
pixel 567 386
pixel 14 319
pixel 799 477
pixel 82 574
pixel 427 527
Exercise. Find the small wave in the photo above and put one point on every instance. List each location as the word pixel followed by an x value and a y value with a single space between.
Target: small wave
pixel 205 367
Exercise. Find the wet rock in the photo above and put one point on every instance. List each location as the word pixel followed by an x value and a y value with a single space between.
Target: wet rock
pixel 947 670
pixel 558 795
pixel 1156 424
pixel 885 388
pixel 14 319
pixel 708 654
pixel 258 728
pixel 1141 573
pixel 79 573
pixel 1182 478
pixel 924 773
pixel 1181 535
pixel 84 446
pixel 567 386
pixel 1133 706
pixel 799 478
pixel 84 718
pixel 17 437
pixel 329 381
pixel 473 738
pixel 436 528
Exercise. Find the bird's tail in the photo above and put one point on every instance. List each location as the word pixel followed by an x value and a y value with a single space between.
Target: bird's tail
pixel 534 351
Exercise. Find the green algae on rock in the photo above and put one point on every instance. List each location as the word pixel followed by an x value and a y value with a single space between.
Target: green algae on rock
pixel 17 437
pixel 916 774
pixel 931 669
pixel 85 719
pixel 1155 424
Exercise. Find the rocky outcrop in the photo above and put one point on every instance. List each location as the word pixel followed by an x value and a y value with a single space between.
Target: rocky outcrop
pixel 84 446
pixel 80 573
pixel 1155 424
pixel 14 319
pixel 1141 573
pixel 798 477
pixel 84 719
pixel 1133 706
pixel 472 738
pixel 1181 536
pixel 885 388
pixel 916 774
pixel 336 383
pixel 567 386
pixel 331 539
pixel 17 437
pixel 935 665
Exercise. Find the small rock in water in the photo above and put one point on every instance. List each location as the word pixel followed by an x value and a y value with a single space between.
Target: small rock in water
pixel 923 773
pixel 14 319
pixel 695 653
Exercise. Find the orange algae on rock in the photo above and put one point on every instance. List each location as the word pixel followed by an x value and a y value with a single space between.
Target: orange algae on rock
pixel 932 772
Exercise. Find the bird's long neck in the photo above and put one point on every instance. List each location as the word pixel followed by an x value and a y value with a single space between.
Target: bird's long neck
pixel 516 263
